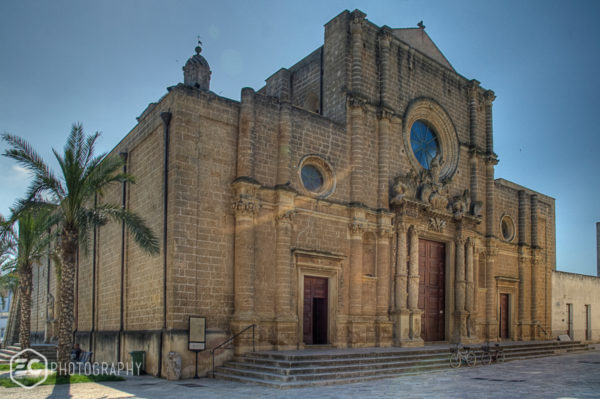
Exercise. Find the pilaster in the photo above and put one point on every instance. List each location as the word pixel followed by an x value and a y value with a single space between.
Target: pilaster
pixel 401 312
pixel 413 288
pixel 490 297
pixel 245 206
pixel 383 324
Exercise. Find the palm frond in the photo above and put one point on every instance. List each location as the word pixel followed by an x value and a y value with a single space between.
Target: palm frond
pixel 22 152
pixel 140 232
pixel 88 149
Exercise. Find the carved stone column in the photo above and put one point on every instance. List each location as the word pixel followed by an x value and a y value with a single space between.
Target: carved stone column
pixel 489 134
pixel 473 92
pixel 537 273
pixel 286 318
pixel 357 103
pixel 283 158
pixel 470 289
pixel 356 28
pixel 357 328
pixel 490 297
pixel 357 178
pixel 384 174
pixel 245 206
pixel 459 275
pixel 402 333
pixel 537 293
pixel 245 164
pixel 459 290
pixel 524 330
pixel 413 288
pixel 383 324
pixel 385 38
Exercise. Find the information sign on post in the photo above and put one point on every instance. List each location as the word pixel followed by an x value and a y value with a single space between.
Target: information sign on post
pixel 197 336
pixel 197 333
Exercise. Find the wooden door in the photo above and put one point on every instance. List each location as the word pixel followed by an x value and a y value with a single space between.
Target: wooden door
pixel 432 266
pixel 504 330
pixel 315 310
pixel 570 320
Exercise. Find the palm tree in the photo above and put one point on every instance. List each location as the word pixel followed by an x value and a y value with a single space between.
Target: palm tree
pixel 21 248
pixel 82 176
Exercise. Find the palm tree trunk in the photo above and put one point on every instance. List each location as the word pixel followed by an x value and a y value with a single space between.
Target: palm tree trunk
pixel 68 255
pixel 25 277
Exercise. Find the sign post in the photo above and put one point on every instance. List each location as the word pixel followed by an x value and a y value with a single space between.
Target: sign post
pixel 197 336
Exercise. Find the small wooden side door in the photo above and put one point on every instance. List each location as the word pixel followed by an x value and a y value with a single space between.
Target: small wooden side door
pixel 504 331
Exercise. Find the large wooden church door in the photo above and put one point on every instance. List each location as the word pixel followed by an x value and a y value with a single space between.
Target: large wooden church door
pixel 315 310
pixel 432 259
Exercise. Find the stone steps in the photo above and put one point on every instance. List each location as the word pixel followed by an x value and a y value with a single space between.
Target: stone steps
pixel 47 350
pixel 314 368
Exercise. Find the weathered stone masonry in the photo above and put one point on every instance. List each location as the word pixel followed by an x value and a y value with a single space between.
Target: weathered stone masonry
pixel 314 179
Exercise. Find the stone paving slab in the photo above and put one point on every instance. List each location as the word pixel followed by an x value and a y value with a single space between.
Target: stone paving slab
pixel 568 376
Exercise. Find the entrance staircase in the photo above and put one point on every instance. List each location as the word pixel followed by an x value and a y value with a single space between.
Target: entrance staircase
pixel 47 350
pixel 316 367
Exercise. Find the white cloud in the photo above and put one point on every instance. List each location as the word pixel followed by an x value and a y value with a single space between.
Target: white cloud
pixel 20 172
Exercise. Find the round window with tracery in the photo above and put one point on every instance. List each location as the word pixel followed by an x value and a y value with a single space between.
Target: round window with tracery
pixel 316 176
pixel 312 178
pixel 424 143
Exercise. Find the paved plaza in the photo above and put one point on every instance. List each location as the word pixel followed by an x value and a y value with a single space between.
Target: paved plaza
pixel 569 376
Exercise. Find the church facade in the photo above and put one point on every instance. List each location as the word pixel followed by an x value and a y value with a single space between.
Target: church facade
pixel 350 202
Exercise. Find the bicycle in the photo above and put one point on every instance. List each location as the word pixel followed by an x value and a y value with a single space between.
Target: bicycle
pixel 489 355
pixel 458 355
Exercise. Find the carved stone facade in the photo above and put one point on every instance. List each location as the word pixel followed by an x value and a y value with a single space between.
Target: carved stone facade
pixel 309 209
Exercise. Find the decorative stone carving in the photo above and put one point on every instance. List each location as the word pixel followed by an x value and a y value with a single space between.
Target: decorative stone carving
pixel 285 216
pixel 245 206
pixel 384 233
pixel 437 224
pixel 461 204
pixel 476 208
pixel 405 186
pixel 356 227
pixel 426 186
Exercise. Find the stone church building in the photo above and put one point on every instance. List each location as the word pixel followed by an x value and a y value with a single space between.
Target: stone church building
pixel 350 202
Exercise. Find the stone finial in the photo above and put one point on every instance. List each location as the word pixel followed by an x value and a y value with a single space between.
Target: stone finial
pixel 196 72
pixel 490 96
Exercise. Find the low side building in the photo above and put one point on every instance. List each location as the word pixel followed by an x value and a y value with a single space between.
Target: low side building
pixel 576 306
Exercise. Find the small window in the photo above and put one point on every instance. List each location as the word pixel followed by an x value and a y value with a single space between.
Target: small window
pixel 316 176
pixel 508 228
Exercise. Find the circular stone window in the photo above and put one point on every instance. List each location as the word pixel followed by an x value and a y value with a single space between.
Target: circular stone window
pixel 508 228
pixel 424 143
pixel 428 132
pixel 316 176
pixel 312 178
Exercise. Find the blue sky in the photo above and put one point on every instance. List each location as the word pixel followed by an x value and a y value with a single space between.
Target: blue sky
pixel 102 62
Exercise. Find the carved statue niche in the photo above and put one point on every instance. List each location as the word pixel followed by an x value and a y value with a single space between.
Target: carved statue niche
pixel 433 190
pixel 405 186
pixel 425 186
pixel 476 208
pixel 461 204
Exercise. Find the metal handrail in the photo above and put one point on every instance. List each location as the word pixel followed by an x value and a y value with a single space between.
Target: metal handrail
pixel 543 329
pixel 212 351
